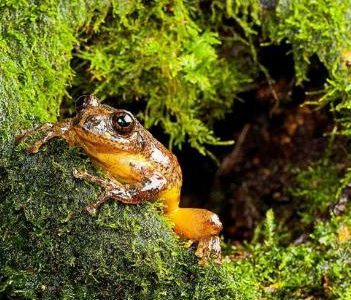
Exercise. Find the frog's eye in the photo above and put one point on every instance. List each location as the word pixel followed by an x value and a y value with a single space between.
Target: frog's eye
pixel 85 101
pixel 123 122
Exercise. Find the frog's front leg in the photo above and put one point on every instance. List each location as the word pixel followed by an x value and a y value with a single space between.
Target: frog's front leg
pixel 125 193
pixel 51 130
pixel 29 132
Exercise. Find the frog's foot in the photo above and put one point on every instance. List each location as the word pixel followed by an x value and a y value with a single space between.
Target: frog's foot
pixel 200 225
pixel 51 130
pixel 92 208
pixel 36 146
pixel 209 247
pixel 112 190
pixel 106 184
pixel 188 243
pixel 79 174
pixel 28 133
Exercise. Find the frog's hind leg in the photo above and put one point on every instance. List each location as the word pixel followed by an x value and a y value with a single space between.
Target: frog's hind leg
pixel 199 225
pixel 209 247
pixel 51 130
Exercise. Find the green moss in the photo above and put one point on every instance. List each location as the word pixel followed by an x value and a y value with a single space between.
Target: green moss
pixel 157 51
pixel 186 61
pixel 51 248
pixel 319 28
pixel 36 40
pixel 315 189
pixel 318 268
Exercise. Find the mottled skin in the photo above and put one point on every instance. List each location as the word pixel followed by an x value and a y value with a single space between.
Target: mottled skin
pixel 138 168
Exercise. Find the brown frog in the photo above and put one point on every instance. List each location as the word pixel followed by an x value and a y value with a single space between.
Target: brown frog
pixel 138 168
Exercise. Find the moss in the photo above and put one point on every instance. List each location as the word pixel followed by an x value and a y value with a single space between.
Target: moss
pixel 320 28
pixel 36 40
pixel 51 248
pixel 155 51
pixel 316 269
pixel 187 61
pixel 317 29
pixel 184 58
pixel 161 52
pixel 316 188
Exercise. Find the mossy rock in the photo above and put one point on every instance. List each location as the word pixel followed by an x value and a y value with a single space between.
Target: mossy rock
pixel 51 248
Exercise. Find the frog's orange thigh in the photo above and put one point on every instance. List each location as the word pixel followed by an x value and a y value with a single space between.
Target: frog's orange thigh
pixel 195 223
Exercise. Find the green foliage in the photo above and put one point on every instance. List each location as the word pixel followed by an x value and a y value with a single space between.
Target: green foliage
pixel 187 61
pixel 51 248
pixel 151 51
pixel 239 21
pixel 316 188
pixel 156 51
pixel 316 269
pixel 320 27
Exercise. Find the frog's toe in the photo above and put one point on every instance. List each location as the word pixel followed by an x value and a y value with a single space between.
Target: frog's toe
pixel 20 137
pixel 78 174
pixel 75 173
pixel 91 209
pixel 209 248
pixel 189 243
pixel 34 148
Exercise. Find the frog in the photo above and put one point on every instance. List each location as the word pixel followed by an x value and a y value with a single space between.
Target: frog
pixel 136 168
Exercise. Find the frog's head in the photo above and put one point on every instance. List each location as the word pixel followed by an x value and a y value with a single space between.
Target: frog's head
pixel 105 127
pixel 115 140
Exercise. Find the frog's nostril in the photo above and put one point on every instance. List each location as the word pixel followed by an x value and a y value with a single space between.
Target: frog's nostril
pixel 93 120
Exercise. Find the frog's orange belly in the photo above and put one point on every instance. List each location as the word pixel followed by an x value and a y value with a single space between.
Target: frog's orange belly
pixel 124 167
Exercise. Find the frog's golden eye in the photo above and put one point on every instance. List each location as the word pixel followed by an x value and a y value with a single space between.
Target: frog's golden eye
pixel 123 122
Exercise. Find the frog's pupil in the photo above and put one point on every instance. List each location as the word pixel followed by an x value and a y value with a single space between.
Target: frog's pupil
pixel 124 121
